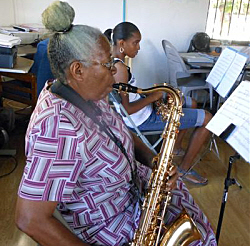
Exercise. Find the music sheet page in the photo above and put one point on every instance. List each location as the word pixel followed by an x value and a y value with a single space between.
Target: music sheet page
pixel 226 71
pixel 231 75
pixel 221 67
pixel 235 110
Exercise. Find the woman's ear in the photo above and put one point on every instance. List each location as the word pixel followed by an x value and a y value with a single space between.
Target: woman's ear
pixel 76 70
pixel 120 43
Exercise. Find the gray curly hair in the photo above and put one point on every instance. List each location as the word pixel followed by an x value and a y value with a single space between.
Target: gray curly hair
pixel 68 42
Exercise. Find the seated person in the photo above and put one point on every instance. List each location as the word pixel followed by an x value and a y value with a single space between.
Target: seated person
pixel 73 164
pixel 41 66
pixel 126 38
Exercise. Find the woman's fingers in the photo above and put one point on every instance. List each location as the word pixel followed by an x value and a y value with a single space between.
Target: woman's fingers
pixel 156 95
pixel 173 176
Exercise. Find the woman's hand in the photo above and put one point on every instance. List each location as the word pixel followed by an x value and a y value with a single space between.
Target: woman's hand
pixel 156 95
pixel 174 175
pixel 142 153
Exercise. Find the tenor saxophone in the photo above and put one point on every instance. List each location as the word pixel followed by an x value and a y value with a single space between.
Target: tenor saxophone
pixel 152 230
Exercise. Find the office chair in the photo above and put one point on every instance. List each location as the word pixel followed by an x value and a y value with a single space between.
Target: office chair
pixel 181 77
pixel 116 100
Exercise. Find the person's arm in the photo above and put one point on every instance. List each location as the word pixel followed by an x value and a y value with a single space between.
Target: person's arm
pixel 142 153
pixel 145 156
pixel 35 218
pixel 121 76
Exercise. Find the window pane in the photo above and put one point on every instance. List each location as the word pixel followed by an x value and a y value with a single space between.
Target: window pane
pixel 229 19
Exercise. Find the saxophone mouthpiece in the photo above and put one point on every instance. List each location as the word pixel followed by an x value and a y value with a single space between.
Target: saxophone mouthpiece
pixel 125 88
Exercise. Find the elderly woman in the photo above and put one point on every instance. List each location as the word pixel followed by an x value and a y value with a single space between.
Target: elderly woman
pixel 73 165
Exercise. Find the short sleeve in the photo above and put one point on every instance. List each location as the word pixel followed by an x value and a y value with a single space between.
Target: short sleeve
pixel 53 162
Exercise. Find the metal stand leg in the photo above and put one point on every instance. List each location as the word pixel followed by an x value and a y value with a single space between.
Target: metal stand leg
pixel 228 182
pixel 208 148
pixel 213 143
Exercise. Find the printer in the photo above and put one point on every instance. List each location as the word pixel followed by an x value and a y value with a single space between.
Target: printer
pixel 8 57
pixel 8 50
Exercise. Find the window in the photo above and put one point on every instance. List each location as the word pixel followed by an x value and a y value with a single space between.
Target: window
pixel 229 20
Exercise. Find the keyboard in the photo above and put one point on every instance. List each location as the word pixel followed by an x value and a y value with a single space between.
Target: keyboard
pixel 197 57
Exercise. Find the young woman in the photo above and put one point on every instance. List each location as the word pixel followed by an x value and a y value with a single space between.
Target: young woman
pixel 125 38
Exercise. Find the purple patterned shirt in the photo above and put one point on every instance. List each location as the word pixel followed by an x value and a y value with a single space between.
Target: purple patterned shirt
pixel 70 161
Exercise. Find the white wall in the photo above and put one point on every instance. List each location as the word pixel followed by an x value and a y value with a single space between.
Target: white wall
pixel 21 11
pixel 7 15
pixel 103 14
pixel 174 20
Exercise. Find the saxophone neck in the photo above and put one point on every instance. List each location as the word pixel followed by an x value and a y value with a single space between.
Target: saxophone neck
pixel 126 88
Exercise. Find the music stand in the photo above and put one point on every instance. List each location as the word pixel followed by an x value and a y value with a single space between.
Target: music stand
pixel 231 121
pixel 236 134
pixel 228 180
pixel 216 106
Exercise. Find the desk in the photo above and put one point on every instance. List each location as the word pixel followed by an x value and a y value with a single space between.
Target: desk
pixel 193 60
pixel 26 50
pixel 209 65
pixel 200 65
pixel 22 65
pixel 25 83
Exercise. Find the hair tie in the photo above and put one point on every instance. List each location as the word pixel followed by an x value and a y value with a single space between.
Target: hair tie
pixel 66 30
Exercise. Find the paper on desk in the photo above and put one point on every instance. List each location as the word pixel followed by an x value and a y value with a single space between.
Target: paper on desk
pixel 9 41
pixel 226 70
pixel 235 110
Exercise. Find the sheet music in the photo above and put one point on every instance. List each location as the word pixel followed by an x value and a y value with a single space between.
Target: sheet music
pixel 226 70
pixel 235 110
pixel 220 67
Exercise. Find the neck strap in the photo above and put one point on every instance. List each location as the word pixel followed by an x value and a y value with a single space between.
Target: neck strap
pixel 92 111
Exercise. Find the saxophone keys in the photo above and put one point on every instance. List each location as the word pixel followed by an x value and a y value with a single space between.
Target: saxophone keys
pixel 177 124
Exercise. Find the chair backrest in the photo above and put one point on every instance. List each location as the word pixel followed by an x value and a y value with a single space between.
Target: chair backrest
pixel 41 67
pixel 175 65
pixel 115 98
